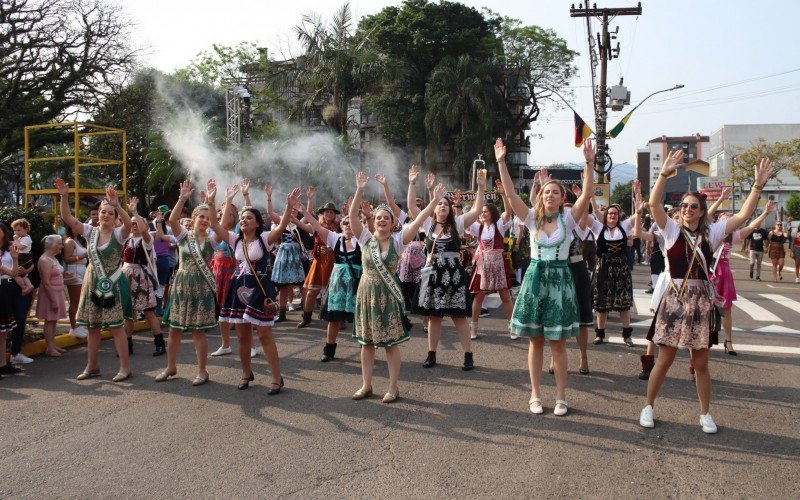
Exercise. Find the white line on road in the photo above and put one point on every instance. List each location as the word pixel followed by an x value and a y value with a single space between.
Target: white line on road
pixel 642 302
pixel 775 349
pixel 782 300
pixel 755 311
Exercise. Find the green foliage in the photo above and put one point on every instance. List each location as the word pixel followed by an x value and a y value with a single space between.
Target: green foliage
pixel 784 154
pixel 792 207
pixel 622 195
pixel 40 226
pixel 223 63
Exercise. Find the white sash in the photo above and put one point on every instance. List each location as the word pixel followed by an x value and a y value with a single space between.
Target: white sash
pixel 104 286
pixel 194 250
pixel 374 250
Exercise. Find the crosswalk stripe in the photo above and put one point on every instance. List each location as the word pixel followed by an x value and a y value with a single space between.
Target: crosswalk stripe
pixel 755 311
pixel 641 301
pixel 739 347
pixel 782 300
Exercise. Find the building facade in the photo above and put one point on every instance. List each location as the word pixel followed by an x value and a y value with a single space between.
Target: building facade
pixel 695 163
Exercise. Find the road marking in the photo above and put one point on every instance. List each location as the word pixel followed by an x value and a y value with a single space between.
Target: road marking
pixel 755 311
pixel 776 329
pixel 781 287
pixel 782 300
pixel 642 302
pixel 774 349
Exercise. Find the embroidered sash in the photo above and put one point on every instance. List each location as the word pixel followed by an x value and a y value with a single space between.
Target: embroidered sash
pixel 374 250
pixel 197 256
pixel 104 285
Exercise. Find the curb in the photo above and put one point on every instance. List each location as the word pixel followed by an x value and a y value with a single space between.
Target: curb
pixel 66 340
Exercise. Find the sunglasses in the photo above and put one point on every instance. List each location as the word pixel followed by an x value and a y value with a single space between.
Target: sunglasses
pixel 345 223
pixel 693 206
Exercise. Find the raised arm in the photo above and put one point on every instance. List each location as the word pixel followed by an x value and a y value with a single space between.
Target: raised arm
pixel 640 205
pixel 670 165
pixel 430 180
pixel 480 199
pixel 517 203
pixel 275 218
pixel 726 192
pixel 314 223
pixel 763 171
pixel 387 193
pixel 411 230
pixel 144 231
pixel 506 215
pixel 113 200
pixel 175 216
pixel 411 196
pixel 292 199
pixel 355 221
pixel 245 186
pixel 750 228
pixel 581 205
pixel 66 214
pixel 310 192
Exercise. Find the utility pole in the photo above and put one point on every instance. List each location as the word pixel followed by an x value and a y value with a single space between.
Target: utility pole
pixel 607 53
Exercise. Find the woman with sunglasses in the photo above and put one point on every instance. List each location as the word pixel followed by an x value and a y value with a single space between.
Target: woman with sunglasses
pixel 547 304
pixel 776 239
pixel 685 317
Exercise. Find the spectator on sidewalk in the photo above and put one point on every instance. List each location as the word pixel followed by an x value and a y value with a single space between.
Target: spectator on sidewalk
pixel 8 292
pixel 51 306
pixel 75 257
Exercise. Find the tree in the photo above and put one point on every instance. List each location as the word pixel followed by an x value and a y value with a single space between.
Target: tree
pixel 224 63
pixel 622 195
pixel 460 100
pixel 793 206
pixel 58 58
pixel 335 67
pixel 784 154
pixel 414 38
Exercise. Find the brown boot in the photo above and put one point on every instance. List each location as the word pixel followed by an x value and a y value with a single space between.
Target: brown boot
pixel 648 362
pixel 306 320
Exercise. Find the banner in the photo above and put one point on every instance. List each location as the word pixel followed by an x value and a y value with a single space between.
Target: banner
pixel 469 196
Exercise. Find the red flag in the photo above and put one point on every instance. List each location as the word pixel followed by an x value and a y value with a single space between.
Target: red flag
pixel 582 131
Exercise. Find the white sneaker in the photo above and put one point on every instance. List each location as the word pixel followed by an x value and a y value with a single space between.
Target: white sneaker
pixel 513 336
pixel 797 280
pixel 646 417
pixel 20 359
pixel 222 351
pixel 253 352
pixel 561 408
pixel 709 427
pixel 79 332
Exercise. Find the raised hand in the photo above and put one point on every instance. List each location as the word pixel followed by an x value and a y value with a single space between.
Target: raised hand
pixel 429 180
pixel 268 190
pixel 230 193
pixel 763 171
pixel 438 192
pixel 381 179
pixel 203 197
pixel 366 209
pixel 726 192
pixel 481 175
pixel 62 187
pixel 576 189
pixel 346 205
pixel 293 197
pixel 637 186
pixel 211 189
pixel 187 190
pixel 245 186
pixel 111 196
pixel 544 175
pixel 498 185
pixel 133 202
pixel 413 173
pixel 671 162
pixel 456 196
pixel 770 206
pixel 362 179
pixel 310 191
pixel 589 151
pixel 499 150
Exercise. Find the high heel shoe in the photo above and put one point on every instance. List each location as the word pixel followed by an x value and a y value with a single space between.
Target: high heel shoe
pixel 275 390
pixel 246 382
pixel 729 350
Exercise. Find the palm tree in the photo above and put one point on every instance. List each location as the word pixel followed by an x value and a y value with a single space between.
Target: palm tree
pixel 335 67
pixel 461 100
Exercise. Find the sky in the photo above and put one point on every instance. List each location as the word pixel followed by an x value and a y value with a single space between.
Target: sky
pixel 737 59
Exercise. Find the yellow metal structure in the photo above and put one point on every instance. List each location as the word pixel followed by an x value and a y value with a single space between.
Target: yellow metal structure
pixel 80 160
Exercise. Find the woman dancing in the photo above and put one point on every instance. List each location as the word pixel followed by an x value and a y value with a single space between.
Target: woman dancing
pixel 105 299
pixel 776 239
pixel 547 305
pixel 380 319
pixel 248 303
pixel 443 289
pixel 684 318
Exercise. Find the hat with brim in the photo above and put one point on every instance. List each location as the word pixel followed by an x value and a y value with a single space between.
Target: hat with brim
pixel 328 206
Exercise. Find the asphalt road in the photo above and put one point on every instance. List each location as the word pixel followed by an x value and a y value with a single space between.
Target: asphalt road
pixel 452 433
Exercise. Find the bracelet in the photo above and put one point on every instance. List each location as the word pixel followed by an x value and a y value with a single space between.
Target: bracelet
pixel 756 187
pixel 662 174
pixel 269 199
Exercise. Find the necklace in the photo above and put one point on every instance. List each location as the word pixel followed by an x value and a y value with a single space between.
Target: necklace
pixel 550 217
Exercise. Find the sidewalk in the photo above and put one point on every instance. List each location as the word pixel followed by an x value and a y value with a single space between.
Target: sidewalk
pixel 66 340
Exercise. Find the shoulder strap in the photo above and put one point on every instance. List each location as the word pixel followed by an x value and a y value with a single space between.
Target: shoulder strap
pixel 250 265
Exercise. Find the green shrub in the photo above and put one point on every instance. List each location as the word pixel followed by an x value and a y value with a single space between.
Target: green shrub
pixel 40 226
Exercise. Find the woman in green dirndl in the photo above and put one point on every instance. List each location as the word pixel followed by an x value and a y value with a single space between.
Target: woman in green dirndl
pixel 547 306
pixel 380 319
pixel 192 297
pixel 105 297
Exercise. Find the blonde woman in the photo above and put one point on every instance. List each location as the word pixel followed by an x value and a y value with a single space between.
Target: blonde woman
pixel 547 305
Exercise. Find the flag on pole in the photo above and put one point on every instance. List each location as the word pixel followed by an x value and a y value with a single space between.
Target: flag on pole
pixel 582 131
pixel 614 132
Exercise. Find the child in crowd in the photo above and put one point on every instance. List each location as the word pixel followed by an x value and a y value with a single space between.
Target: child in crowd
pixel 21 229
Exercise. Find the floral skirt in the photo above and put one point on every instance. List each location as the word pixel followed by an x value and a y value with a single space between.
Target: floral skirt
pixel 143 292
pixel 685 322
pixel 192 303
pixel 612 285
pixel 340 303
pixel 380 318
pixel 546 304
pixel 411 262
pixel 492 272
pixel 288 268
pixel 92 315
pixel 443 291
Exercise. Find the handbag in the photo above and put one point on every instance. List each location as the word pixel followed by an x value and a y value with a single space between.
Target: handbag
pixel 270 306
pixel 426 272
